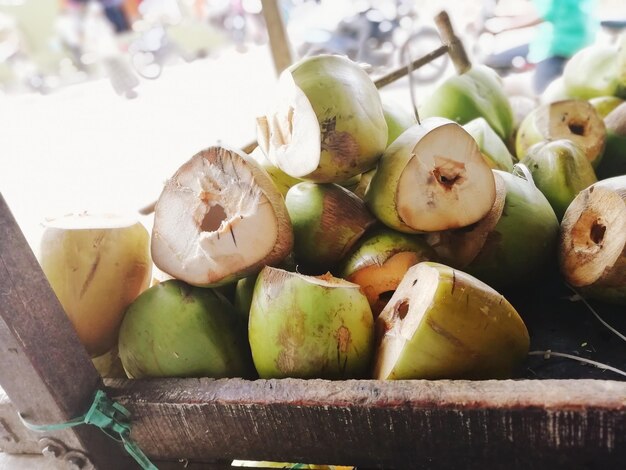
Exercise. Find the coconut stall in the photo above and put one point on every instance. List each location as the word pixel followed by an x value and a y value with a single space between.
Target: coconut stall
pixel 356 288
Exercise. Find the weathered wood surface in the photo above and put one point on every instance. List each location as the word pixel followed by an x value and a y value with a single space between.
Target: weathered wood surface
pixel 44 369
pixel 404 424
pixel 279 42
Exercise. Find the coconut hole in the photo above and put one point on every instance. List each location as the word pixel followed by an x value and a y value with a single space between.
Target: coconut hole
pixel 386 296
pixel 449 174
pixel 576 128
pixel 588 233
pixel 596 232
pixel 213 218
pixel 401 309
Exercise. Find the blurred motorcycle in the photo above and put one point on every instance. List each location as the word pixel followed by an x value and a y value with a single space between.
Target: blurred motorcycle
pixel 373 33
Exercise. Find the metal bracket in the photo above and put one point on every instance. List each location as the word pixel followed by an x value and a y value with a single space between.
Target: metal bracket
pixel 72 459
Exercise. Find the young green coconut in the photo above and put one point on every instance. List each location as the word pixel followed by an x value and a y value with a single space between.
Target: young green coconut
pixel 218 219
pixel 433 177
pixel 476 93
pixel 605 104
pixel 512 244
pixel 327 221
pixel 560 170
pixel 554 92
pixel 177 330
pixel 380 260
pixel 327 124
pixel 309 327
pixel 281 179
pixel 522 106
pixel 592 248
pixel 243 295
pixel 364 182
pixel 96 265
pixel 592 72
pixel 575 120
pixel 491 146
pixel 445 324
pixel 244 288
pixel 398 118
pixel 613 161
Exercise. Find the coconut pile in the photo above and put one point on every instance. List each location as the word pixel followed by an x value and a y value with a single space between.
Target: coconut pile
pixel 354 241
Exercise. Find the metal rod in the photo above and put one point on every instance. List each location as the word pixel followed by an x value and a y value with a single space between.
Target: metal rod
pixel 400 72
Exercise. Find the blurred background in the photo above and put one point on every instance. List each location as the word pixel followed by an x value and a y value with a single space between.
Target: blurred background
pixel 49 44
pixel 101 100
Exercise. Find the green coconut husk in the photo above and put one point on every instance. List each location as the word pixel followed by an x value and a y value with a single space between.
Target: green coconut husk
pixel 309 327
pixel 281 179
pixel 605 104
pixel 592 72
pixel 379 261
pixel 513 244
pixel 554 92
pixel 522 106
pixel 560 170
pixel 243 295
pixel 177 330
pixel 442 323
pixel 476 93
pixel 398 118
pixel 327 221
pixel 491 146
pixel 576 120
pixel 361 188
pixel 613 161
pixel 327 123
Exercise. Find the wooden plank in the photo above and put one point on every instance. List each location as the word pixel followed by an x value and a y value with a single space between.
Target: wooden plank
pixel 279 42
pixel 44 369
pixel 402 424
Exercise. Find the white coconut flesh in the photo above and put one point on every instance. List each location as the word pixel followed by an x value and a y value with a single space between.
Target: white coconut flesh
pixel 290 135
pixel 446 184
pixel 593 245
pixel 577 121
pixel 462 246
pixel 213 220
pixel 276 277
pixel 403 315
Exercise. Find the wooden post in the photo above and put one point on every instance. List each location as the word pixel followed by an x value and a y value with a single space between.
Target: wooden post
pixel 279 43
pixel 456 51
pixel 44 369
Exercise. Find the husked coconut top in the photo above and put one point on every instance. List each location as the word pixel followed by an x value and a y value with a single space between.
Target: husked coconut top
pixel 593 235
pixel 279 276
pixel 326 123
pixel 293 124
pixel 457 187
pixel 214 220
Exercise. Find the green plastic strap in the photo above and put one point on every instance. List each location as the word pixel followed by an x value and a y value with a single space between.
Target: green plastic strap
pixel 112 418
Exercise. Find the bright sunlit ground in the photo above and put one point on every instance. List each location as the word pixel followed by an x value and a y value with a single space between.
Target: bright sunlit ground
pixel 86 148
